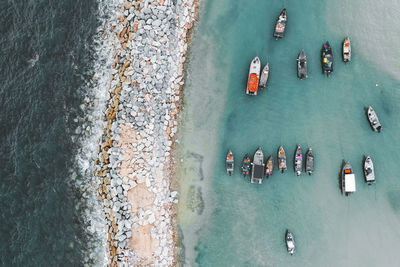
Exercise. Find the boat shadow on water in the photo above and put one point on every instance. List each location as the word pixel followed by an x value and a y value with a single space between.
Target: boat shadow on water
pixel 366 112
pixel 362 162
pixel 340 180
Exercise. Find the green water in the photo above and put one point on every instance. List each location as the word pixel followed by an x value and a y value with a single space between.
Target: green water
pixel 226 221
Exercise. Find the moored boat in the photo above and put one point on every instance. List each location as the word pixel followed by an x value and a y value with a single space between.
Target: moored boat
pixel 246 165
pixel 229 163
pixel 326 58
pixel 373 120
pixel 257 167
pixel 254 77
pixel 264 76
pixel 309 161
pixel 302 65
pixel 369 172
pixel 298 161
pixel 269 166
pixel 346 49
pixel 348 179
pixel 280 25
pixel 290 245
pixel 282 159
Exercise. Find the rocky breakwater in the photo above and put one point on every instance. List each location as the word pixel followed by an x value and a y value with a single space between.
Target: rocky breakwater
pixel 135 163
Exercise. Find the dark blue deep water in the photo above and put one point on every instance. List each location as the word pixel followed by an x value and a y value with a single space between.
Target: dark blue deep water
pixel 44 60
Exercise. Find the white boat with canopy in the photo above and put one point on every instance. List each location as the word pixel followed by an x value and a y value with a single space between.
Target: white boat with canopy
pixel 348 180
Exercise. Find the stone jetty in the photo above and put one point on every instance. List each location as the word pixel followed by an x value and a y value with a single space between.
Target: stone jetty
pixel 134 160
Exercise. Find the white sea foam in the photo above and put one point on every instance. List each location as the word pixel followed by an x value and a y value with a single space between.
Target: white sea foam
pixel 97 93
pixel 32 61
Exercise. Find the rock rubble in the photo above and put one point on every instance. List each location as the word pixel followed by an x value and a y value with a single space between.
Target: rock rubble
pixel 141 122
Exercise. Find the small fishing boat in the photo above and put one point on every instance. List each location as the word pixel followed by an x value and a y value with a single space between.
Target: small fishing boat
pixel 264 76
pixel 269 166
pixel 280 25
pixel 257 167
pixel 346 49
pixel 229 163
pixel 290 245
pixel 298 161
pixel 302 65
pixel 246 165
pixel 373 120
pixel 369 172
pixel 254 77
pixel 309 161
pixel 282 159
pixel 327 59
pixel 348 179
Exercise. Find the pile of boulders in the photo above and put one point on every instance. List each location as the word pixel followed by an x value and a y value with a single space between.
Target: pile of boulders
pixel 134 158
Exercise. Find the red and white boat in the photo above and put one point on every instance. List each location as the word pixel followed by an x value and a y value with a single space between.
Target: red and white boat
pixel 254 77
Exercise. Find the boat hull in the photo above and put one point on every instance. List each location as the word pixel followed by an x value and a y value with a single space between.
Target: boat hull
pixel 264 76
pixel 298 161
pixel 369 171
pixel 229 163
pixel 246 165
pixel 302 66
pixel 282 160
pixel 290 244
pixel 309 161
pixel 269 166
pixel 346 50
pixel 257 167
pixel 254 77
pixel 348 180
pixel 326 59
pixel 373 120
pixel 280 25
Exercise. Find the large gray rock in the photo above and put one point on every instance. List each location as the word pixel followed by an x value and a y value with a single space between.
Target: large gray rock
pixel 121 237
pixel 156 23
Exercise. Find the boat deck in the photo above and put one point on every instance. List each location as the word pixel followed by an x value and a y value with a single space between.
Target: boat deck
pixel 258 171
pixel 349 183
pixel 257 174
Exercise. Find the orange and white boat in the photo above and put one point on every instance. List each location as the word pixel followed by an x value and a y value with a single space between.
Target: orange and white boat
pixel 282 159
pixel 269 166
pixel 348 179
pixel 254 77
pixel 346 50
pixel 229 163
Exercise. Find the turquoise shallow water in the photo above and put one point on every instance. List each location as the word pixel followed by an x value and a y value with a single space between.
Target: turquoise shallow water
pixel 244 224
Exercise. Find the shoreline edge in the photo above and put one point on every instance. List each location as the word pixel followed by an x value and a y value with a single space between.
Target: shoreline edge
pixel 134 164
